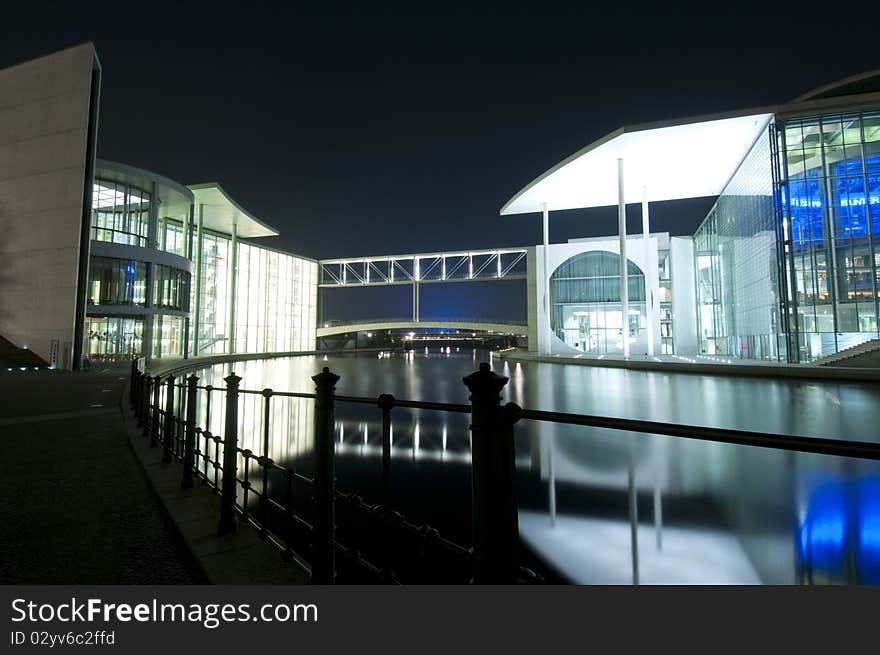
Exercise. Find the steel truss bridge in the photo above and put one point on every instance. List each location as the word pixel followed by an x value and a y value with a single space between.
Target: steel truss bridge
pixel 424 268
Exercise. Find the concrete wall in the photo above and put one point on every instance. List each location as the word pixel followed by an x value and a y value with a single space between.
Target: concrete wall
pixel 45 160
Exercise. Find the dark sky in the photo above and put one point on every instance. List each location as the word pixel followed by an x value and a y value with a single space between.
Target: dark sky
pixel 360 133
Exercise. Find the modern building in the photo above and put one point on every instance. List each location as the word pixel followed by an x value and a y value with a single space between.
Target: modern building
pixel 585 314
pixel 784 266
pixel 105 261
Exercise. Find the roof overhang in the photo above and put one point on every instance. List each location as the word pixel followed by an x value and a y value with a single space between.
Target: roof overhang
pixel 220 212
pixel 174 199
pixel 671 161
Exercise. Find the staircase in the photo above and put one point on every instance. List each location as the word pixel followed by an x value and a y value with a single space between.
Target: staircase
pixel 865 354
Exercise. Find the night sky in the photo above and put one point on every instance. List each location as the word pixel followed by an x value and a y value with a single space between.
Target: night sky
pixel 389 131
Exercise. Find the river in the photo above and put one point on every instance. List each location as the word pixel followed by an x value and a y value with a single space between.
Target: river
pixel 707 512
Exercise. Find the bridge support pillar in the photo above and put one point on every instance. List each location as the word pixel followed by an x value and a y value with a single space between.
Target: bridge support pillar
pixel 415 302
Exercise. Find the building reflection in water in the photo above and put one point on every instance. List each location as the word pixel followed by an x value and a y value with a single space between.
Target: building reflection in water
pixel 707 512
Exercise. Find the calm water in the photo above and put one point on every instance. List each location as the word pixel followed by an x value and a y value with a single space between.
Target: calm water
pixel 707 512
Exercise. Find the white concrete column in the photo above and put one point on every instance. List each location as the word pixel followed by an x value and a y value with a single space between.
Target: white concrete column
pixel 415 302
pixel 543 330
pixel 197 269
pixel 621 233
pixel 230 330
pixel 649 295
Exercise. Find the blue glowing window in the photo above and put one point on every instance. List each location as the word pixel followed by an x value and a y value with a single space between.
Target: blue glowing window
pixel 856 209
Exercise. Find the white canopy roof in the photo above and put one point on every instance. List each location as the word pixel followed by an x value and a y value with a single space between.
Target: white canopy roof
pixel 221 212
pixel 673 160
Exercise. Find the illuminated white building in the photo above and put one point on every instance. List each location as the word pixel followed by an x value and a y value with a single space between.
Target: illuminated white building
pixel 785 266
pixel 105 261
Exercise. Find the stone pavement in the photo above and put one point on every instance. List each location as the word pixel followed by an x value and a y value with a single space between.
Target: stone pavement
pixel 76 507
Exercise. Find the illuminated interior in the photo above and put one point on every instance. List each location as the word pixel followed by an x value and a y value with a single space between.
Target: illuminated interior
pixel 585 299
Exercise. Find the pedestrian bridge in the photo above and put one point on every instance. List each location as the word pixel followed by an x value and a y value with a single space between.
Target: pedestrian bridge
pixel 467 325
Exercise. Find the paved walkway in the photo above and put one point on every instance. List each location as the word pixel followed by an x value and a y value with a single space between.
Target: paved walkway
pixel 76 507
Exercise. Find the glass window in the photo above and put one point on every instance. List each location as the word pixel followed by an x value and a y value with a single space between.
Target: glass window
pixel 736 247
pixel 585 301
pixel 113 338
pixel 120 213
pixel 171 236
pixel 116 282
pixel 168 336
pixel 833 207
pixel 171 288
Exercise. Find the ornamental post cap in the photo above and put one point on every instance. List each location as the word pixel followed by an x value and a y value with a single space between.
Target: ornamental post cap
pixel 485 382
pixel 325 379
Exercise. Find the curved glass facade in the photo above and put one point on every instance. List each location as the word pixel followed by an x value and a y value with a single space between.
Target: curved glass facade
pixel 829 194
pixel 117 282
pixel 112 338
pixel 585 302
pixel 169 335
pixel 170 288
pixel 239 297
pixel 120 213
pixel 213 301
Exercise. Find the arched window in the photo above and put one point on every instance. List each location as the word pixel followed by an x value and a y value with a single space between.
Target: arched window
pixel 585 309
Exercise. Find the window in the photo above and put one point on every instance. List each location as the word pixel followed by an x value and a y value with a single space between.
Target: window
pixel 116 282
pixel 171 288
pixel 586 312
pixel 120 213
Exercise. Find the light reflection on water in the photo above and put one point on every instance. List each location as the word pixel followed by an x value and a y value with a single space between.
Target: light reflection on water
pixel 771 508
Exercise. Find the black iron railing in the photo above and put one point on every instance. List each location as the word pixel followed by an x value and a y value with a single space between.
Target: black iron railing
pixel 312 522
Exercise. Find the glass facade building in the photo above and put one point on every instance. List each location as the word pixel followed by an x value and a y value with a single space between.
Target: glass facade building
pixel 275 299
pixel 787 262
pixel 162 284
pixel 737 282
pixel 828 191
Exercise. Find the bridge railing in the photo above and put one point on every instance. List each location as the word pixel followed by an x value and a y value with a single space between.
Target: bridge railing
pixel 338 535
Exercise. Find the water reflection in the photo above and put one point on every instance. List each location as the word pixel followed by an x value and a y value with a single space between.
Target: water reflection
pixel 706 512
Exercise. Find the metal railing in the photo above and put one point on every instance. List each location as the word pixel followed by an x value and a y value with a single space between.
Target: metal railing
pixel 312 522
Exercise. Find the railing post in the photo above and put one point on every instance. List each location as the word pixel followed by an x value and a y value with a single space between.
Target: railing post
pixel 324 555
pixel 144 419
pixel 169 420
pixel 228 518
pixel 495 522
pixel 264 461
pixel 386 403
pixel 154 419
pixel 189 442
pixel 132 382
pixel 137 395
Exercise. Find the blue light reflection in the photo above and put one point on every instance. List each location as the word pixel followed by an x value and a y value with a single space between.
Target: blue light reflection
pixel 843 524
